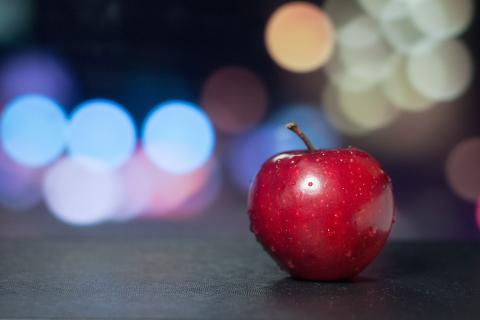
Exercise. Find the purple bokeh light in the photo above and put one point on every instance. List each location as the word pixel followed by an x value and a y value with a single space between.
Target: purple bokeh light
pixel 37 72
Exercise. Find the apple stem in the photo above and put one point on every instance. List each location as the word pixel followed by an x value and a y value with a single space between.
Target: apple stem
pixel 294 127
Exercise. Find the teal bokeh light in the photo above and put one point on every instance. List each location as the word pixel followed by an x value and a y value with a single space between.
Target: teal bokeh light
pixel 102 131
pixel 33 130
pixel 178 137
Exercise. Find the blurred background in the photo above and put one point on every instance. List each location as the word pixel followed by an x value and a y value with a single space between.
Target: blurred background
pixel 150 118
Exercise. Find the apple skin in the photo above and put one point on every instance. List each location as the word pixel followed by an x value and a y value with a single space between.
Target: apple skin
pixel 322 215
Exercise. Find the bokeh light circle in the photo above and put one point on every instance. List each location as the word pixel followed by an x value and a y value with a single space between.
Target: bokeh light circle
pixel 235 99
pixel 361 31
pixel 33 130
pixel 443 72
pixel 101 130
pixel 403 35
pixel 334 114
pixel 178 137
pixel 442 18
pixel 39 72
pixel 299 37
pixel 369 110
pixel 463 169
pixel 363 50
pixel 344 78
pixel 400 92
pixel 80 195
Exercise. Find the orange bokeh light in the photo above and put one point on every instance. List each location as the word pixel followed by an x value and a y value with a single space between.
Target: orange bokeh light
pixel 462 169
pixel 234 98
pixel 299 37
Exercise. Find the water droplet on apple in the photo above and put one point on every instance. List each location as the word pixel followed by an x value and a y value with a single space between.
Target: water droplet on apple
pixel 272 248
pixel 348 254
pixel 330 232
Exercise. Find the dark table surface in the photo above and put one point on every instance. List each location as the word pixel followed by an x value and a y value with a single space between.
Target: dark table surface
pixel 208 278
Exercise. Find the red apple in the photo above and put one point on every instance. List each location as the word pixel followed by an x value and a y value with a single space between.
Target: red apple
pixel 321 214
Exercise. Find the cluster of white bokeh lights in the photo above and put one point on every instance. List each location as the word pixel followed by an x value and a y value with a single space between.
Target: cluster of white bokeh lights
pixel 381 58
pixel 392 56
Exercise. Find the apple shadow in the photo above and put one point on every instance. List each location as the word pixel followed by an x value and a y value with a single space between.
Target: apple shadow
pixel 332 299
pixel 306 289
pixel 367 296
